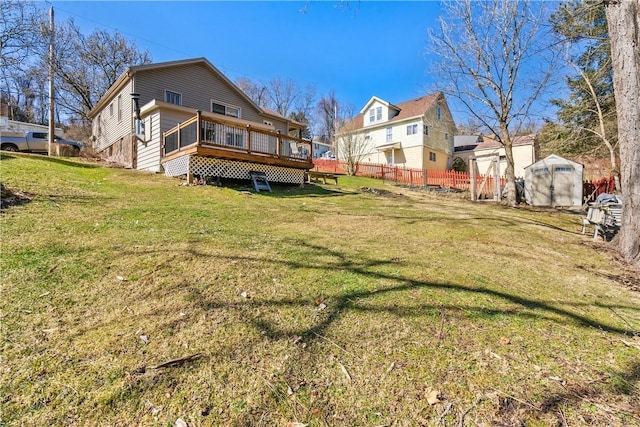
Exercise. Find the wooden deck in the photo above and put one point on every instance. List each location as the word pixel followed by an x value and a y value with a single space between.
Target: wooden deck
pixel 221 139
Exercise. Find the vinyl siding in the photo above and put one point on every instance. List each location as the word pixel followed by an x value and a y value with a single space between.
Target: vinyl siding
pixel 149 150
pixel 438 128
pixel 197 84
pixel 112 129
pixel 523 156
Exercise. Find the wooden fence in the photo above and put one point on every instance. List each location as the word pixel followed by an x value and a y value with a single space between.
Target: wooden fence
pixel 445 179
pixel 593 188
pixel 414 177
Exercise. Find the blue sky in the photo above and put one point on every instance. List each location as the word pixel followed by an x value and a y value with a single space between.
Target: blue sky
pixel 359 50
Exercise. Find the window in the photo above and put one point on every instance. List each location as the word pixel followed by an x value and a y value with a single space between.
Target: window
pixel 432 156
pixel 172 97
pixel 366 135
pixel 111 110
pixel 425 130
pixel 224 109
pixel 439 113
pixel 412 129
pixel 389 134
pixel 379 113
pixel 268 123
pixel 119 107
pixel 446 136
pixel 372 116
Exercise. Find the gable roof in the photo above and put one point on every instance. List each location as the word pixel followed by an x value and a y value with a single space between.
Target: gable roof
pixel 380 100
pixel 406 110
pixel 491 143
pixel 128 74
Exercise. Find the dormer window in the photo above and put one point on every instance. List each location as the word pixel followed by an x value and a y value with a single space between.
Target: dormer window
pixel 375 114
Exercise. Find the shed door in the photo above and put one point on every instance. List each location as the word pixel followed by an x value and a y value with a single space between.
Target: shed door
pixel 563 185
pixel 541 186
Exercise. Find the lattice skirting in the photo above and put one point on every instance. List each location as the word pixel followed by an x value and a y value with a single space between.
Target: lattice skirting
pixel 207 166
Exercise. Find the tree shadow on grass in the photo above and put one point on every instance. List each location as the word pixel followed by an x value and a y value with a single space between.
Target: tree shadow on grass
pixel 262 315
pixel 252 311
pixel 370 269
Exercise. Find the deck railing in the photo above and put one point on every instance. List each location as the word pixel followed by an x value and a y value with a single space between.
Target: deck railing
pixel 217 133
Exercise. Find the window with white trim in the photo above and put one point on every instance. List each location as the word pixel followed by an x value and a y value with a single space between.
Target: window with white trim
pixel 225 109
pixel 389 134
pixel 425 130
pixel 372 115
pixel 412 129
pixel 378 113
pixel 173 97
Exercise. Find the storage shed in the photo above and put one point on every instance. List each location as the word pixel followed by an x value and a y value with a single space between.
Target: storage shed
pixel 553 181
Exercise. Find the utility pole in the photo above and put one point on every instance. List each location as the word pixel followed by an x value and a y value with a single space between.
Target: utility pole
pixel 51 94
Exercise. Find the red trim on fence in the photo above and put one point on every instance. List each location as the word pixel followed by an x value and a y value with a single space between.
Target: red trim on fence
pixel 446 179
pixel 592 189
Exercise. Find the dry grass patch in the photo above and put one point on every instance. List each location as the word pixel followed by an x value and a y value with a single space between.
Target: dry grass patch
pixel 324 305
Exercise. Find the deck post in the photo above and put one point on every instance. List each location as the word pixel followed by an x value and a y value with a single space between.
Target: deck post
pixel 278 143
pixel 249 138
pixel 179 146
pixel 198 127
pixel 472 180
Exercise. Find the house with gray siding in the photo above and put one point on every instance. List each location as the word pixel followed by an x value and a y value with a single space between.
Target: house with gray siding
pixel 187 118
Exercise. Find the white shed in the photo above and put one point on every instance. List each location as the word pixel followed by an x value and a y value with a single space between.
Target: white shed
pixel 553 181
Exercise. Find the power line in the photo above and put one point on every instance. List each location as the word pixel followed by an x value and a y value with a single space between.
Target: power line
pixel 118 29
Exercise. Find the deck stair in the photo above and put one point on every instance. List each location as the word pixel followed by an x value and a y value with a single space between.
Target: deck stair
pixel 259 181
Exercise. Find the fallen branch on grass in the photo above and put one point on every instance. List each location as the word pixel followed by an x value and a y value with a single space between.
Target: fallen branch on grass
pixel 177 362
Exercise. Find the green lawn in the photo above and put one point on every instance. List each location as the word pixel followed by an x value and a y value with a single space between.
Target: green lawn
pixel 325 305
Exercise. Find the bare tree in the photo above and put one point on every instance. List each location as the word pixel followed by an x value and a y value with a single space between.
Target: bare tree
pixel 86 66
pixel 327 111
pixel 254 90
pixel 601 130
pixel 623 18
pixel 351 143
pixel 496 60
pixel 282 94
pixel 20 38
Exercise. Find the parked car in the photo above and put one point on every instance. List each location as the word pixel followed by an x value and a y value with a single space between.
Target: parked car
pixel 34 142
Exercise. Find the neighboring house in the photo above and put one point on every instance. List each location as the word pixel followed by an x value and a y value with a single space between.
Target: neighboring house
pixel 321 147
pixel 524 154
pixel 463 146
pixel 414 134
pixel 187 118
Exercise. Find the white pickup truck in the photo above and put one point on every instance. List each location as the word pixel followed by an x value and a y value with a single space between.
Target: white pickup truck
pixel 33 142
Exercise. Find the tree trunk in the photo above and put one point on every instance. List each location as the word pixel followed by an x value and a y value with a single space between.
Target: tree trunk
pixel 623 19
pixel 509 173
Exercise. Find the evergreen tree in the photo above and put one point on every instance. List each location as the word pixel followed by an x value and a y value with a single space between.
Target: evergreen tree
pixel 588 116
